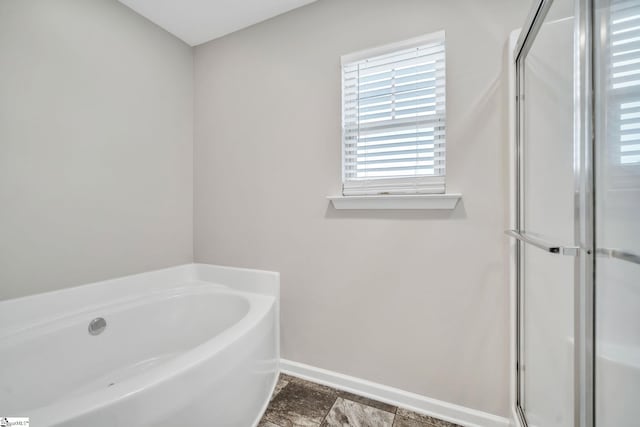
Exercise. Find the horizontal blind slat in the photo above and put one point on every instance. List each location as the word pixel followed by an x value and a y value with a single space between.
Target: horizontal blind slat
pixel 411 153
pixel 418 122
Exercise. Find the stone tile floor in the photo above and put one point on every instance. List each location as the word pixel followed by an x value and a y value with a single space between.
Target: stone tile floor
pixel 299 403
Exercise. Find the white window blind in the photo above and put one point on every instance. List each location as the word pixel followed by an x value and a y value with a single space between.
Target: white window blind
pixel 624 95
pixel 394 118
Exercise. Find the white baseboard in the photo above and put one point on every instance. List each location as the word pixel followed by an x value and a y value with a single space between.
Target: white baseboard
pixel 414 402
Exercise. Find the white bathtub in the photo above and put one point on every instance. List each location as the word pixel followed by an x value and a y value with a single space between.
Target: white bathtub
pixel 194 345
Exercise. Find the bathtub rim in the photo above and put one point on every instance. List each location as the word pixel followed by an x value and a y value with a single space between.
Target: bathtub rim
pixel 29 308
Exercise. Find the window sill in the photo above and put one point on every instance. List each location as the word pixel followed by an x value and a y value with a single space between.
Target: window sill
pixel 393 201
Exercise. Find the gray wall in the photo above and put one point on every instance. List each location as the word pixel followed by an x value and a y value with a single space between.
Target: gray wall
pixel 415 300
pixel 96 132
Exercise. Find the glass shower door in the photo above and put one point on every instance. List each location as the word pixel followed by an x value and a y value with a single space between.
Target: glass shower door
pixel 546 226
pixel 578 194
pixel 617 150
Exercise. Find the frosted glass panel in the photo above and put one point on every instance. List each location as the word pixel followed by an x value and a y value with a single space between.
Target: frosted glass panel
pixel 548 347
pixel 548 135
pixel 617 282
pixel 547 210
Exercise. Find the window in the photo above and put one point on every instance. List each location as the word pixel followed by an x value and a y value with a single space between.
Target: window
pixel 393 118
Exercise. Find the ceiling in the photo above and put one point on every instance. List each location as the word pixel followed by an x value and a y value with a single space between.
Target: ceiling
pixel 198 21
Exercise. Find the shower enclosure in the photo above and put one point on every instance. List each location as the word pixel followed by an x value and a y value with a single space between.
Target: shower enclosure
pixel 576 226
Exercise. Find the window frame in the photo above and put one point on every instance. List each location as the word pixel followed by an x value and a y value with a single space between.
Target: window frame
pixel 389 186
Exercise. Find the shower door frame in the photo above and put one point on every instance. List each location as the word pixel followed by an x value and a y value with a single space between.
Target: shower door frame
pixel 584 207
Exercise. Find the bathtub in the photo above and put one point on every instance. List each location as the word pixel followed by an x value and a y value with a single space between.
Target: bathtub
pixel 194 345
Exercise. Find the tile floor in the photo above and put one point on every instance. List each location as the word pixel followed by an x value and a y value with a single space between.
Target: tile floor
pixel 299 403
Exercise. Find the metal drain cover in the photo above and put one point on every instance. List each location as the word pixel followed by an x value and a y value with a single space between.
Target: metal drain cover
pixel 97 325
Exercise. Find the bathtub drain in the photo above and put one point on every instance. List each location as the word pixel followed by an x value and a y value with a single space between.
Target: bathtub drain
pixel 97 325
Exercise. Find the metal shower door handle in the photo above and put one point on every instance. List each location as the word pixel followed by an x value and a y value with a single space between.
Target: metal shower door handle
pixel 619 254
pixel 545 246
